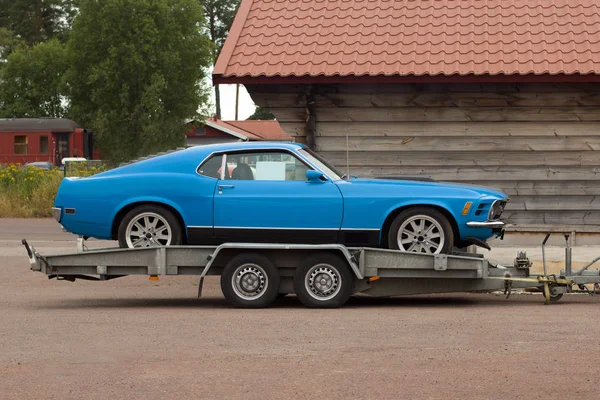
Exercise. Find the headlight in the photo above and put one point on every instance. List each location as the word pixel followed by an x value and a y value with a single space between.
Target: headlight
pixel 496 210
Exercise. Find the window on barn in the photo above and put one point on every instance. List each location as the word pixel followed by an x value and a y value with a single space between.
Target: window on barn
pixel 20 144
pixel 43 144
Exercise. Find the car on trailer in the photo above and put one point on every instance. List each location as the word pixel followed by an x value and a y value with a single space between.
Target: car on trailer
pixel 276 192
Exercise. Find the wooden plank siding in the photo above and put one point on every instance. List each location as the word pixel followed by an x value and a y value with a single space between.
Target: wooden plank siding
pixel 538 142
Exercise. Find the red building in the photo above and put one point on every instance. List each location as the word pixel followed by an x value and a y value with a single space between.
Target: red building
pixel 25 140
pixel 214 130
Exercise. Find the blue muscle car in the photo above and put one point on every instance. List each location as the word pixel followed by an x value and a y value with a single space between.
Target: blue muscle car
pixel 272 192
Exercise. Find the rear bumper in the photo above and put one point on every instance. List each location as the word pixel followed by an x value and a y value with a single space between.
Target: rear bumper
pixel 57 213
pixel 486 224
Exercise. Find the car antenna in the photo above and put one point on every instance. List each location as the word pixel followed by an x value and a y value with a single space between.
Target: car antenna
pixel 347 158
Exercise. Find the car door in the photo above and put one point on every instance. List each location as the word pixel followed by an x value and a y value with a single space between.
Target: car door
pixel 265 197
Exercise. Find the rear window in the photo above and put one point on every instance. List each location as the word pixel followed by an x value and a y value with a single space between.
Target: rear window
pixel 212 167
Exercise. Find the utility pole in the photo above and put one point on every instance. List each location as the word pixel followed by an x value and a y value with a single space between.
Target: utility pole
pixel 237 99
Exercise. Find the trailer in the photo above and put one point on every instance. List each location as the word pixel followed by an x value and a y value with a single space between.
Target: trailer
pixel 325 276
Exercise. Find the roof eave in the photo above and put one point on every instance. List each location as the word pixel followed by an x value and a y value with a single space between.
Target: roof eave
pixel 307 79
pixel 232 38
pixel 226 130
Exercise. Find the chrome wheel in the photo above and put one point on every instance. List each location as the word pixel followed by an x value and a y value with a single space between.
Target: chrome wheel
pixel 323 282
pixel 421 234
pixel 148 230
pixel 250 281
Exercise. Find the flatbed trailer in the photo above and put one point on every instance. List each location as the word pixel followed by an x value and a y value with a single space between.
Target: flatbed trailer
pixel 254 275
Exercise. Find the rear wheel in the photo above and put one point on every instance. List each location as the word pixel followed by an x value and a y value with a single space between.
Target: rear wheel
pixel 149 226
pixel 250 281
pixel 421 230
pixel 323 281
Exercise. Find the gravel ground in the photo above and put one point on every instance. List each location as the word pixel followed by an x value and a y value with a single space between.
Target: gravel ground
pixel 132 338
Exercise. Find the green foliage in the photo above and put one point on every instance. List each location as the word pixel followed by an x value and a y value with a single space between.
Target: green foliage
pixel 8 42
pixel 35 21
pixel 85 168
pixel 136 68
pixel 31 81
pixel 30 192
pixel 262 114
pixel 27 192
pixel 219 17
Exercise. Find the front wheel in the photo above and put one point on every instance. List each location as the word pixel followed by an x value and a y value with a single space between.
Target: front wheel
pixel 149 226
pixel 421 230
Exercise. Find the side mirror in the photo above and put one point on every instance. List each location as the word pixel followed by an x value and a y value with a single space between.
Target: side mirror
pixel 314 176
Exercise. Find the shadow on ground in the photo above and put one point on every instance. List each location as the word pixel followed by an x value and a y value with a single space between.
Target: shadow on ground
pixel 290 301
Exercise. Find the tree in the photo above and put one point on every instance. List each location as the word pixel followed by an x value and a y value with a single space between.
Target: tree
pixel 31 81
pixel 35 21
pixel 136 68
pixel 261 113
pixel 8 42
pixel 219 17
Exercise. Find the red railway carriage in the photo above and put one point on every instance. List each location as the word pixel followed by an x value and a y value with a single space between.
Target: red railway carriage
pixel 24 140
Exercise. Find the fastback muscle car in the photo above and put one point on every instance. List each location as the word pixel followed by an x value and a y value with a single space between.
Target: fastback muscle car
pixel 272 192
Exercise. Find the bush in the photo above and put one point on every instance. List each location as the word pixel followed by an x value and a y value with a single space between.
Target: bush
pixel 30 192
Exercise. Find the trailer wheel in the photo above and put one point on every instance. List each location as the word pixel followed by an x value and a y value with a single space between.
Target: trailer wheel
pixel 554 295
pixel 323 281
pixel 250 281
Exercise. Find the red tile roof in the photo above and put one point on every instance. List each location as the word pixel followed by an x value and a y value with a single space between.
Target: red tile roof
pixel 251 130
pixel 340 38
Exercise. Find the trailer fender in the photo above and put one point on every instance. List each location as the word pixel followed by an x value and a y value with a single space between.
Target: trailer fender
pixel 257 247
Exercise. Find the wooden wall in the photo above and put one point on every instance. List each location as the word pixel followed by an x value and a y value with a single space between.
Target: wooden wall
pixel 538 142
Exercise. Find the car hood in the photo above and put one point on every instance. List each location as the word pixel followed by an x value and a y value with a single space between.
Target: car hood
pixel 479 191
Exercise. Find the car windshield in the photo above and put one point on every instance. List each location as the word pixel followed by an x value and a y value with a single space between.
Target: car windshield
pixel 320 163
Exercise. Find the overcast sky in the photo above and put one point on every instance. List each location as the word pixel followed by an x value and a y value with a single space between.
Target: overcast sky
pixel 246 105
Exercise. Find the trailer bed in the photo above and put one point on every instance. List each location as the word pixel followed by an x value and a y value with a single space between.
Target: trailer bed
pixel 376 272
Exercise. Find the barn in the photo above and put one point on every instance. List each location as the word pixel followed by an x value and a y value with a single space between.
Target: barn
pixel 504 93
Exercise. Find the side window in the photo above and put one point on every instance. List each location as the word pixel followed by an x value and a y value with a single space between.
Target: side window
pixel 266 166
pixel 20 145
pixel 43 144
pixel 211 167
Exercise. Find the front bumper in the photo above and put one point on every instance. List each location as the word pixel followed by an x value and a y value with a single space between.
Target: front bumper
pixel 486 224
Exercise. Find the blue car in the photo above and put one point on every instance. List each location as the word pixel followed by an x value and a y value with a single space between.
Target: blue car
pixel 272 192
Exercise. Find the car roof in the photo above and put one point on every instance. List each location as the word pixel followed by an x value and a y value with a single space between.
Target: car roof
pixel 197 154
pixel 232 146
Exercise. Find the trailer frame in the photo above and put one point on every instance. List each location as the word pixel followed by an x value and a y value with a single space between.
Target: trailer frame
pixel 348 270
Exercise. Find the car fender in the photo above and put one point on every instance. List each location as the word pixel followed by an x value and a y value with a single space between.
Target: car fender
pixel 425 203
pixel 148 199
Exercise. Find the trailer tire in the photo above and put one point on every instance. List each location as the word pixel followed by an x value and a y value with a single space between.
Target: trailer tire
pixel 250 281
pixel 554 297
pixel 335 285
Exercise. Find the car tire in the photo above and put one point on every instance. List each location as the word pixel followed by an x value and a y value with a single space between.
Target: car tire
pixel 337 277
pixel 162 216
pixel 250 281
pixel 422 230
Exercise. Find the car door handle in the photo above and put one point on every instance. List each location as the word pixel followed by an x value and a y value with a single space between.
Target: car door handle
pixel 221 187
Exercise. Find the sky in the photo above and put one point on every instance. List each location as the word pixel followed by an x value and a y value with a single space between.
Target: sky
pixel 246 105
